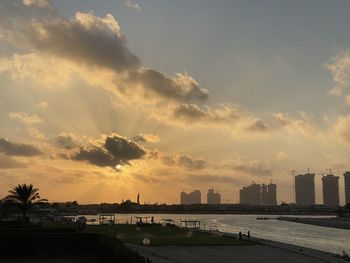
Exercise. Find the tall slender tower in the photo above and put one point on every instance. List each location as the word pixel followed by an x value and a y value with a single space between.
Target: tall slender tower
pixel 347 187
pixel 330 190
pixel 305 189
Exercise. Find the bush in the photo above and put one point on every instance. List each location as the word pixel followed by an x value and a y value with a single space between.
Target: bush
pixel 54 243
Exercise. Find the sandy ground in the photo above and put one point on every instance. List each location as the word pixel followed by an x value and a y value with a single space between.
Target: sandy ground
pixel 271 252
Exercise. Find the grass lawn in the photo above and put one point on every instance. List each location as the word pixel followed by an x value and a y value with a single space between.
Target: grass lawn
pixel 162 236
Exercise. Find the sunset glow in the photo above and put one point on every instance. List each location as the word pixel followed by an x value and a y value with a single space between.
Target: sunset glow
pixel 102 101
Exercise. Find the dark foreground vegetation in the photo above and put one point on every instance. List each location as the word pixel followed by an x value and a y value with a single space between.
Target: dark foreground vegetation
pixel 164 236
pixel 33 242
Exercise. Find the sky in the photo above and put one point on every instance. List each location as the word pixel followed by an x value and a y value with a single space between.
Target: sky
pixel 100 101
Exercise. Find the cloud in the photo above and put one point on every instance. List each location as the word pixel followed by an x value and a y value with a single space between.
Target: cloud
pixel 184 161
pixel 131 4
pixel 146 137
pixel 282 156
pixel 88 41
pixel 24 117
pixel 7 162
pixel 339 67
pixel 255 169
pixel 190 162
pixel 44 71
pixel 168 160
pixel 180 87
pixel 36 134
pixel 96 156
pixel 305 125
pixel 212 178
pixel 249 167
pixel 66 141
pixel 43 104
pixel 113 151
pixel 347 99
pixel 342 128
pixel 18 149
pixel 228 116
pixel 258 126
pixel 39 3
pixel 192 113
pixel 122 149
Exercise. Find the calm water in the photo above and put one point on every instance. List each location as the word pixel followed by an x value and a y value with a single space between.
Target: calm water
pixel 321 238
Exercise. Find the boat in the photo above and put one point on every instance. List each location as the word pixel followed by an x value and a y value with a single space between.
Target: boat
pixel 262 218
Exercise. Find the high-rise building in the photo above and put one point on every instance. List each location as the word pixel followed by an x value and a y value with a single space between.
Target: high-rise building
pixel 257 194
pixel 213 198
pixel 190 198
pixel 330 190
pixel 263 194
pixel 271 198
pixel 305 189
pixel 250 195
pixel 347 187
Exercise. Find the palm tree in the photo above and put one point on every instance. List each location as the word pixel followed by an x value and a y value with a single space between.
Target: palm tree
pixel 25 196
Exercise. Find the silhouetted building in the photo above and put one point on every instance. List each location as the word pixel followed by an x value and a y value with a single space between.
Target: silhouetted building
pixel 213 198
pixel 271 197
pixel 347 187
pixel 257 194
pixel 305 189
pixel 330 190
pixel 190 198
pixel 250 195
pixel 138 199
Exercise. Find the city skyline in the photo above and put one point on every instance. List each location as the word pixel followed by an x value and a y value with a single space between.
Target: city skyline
pixel 102 100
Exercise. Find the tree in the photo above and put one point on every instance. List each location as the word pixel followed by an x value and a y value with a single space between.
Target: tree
pixel 25 196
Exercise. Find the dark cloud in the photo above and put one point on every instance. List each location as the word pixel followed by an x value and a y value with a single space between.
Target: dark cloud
pixel 190 162
pixel 185 161
pixel 146 137
pixel 96 156
pixel 115 150
pixel 139 138
pixel 85 39
pixel 168 160
pixel 223 114
pixel 123 149
pixel 7 162
pixel 181 87
pixel 18 149
pixel 210 178
pixel 65 140
pixel 252 169
pixel 249 167
pixel 95 42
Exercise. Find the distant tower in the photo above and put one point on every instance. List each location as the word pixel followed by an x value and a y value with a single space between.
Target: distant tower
pixel 271 194
pixel 138 199
pixel 293 175
pixel 305 189
pixel 191 198
pixel 330 190
pixel 212 197
pixel 347 187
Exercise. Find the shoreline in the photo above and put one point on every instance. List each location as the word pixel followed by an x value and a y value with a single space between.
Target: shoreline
pixel 200 213
pixel 340 223
pixel 262 251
